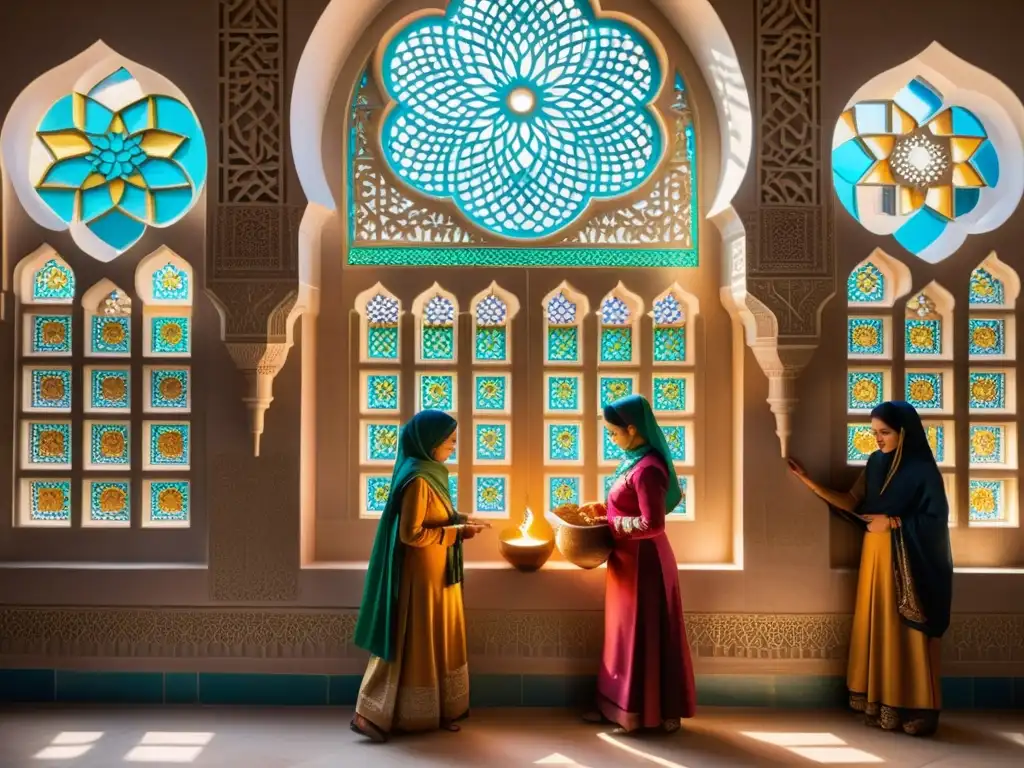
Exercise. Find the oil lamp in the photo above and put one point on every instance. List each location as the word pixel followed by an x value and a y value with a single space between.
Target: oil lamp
pixel 526 548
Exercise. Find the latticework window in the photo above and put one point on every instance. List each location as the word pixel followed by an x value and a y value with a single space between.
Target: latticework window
pixel 924 362
pixel 104 432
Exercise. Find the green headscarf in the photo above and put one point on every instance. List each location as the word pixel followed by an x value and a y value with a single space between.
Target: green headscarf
pixel 377 623
pixel 635 411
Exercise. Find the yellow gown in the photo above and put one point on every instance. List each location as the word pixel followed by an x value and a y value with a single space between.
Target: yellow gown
pixel 893 671
pixel 428 682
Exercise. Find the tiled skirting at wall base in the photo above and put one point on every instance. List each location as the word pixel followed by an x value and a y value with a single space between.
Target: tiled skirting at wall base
pixel 505 690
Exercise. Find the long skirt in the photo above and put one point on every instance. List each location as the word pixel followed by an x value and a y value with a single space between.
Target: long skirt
pixel 646 676
pixel 893 675
pixel 428 682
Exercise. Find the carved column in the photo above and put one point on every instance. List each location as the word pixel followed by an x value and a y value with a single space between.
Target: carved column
pixel 791 267
pixel 253 270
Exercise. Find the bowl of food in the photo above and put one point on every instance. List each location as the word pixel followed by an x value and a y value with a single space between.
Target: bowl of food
pixel 582 537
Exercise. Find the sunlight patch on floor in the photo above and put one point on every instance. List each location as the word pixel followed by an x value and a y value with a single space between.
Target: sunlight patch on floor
pixel 823 748
pixel 69 745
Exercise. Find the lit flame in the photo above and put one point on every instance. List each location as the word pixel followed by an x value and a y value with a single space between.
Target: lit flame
pixel 527 538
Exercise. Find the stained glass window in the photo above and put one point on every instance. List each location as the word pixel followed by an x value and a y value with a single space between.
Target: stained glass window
pixel 986 290
pixel 866 285
pixel 656 227
pixel 617 341
pixel 438 330
pixel 381 330
pixel 669 330
pixel 491 342
pixel 53 283
pixel 923 327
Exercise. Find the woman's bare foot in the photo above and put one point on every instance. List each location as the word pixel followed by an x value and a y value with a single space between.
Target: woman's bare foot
pixel 594 718
pixel 364 727
pixel 448 725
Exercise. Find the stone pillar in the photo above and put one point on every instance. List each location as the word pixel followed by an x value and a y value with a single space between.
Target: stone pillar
pixel 791 263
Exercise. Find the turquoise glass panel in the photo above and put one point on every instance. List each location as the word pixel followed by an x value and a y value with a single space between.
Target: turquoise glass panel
pixel 865 336
pixel 382 392
pixel 564 442
pixel 987 444
pixel 54 281
pixel 110 335
pixel 110 501
pixel 170 501
pixel 168 389
pixel 109 388
pixel 51 334
pixel 987 501
pixel 564 394
pixel 924 390
pixel 987 337
pixel 376 490
pixel 669 394
pixel 491 494
pixel 49 500
pixel 987 390
pixel 614 388
pixel 564 490
pixel 51 389
pixel 491 442
pixel 923 337
pixel 109 445
pixel 864 390
pixel 437 392
pixel 49 443
pixel 169 445
pixel 382 442
pixel 491 393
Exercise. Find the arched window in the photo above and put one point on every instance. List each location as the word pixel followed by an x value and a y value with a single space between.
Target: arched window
pixel 463 226
pixel 985 469
pixel 130 466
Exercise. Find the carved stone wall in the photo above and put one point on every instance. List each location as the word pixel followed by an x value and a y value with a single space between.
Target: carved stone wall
pixel 277 634
pixel 791 265
pixel 252 276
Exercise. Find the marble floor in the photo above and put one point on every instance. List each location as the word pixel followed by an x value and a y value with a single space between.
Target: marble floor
pixel 108 737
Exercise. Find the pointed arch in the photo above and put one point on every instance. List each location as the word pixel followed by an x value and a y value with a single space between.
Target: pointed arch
pixel 928 324
pixel 564 310
pixel 44 277
pixel 437 326
pixel 380 333
pixel 492 311
pixel 165 278
pixel 673 312
pixel 994 285
pixel 878 281
pixel 619 327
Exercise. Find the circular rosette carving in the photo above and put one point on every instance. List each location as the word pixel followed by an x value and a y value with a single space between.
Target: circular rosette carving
pixel 521 112
pixel 116 160
pixel 930 152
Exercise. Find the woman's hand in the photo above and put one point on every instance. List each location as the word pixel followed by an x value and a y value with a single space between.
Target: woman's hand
pixel 470 530
pixel 595 510
pixel 470 520
pixel 796 469
pixel 878 523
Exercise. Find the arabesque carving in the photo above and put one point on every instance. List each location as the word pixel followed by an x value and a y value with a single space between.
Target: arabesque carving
pixel 791 269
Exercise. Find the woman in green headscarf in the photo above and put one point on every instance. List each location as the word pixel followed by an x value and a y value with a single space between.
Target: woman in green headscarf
pixel 646 676
pixel 411 619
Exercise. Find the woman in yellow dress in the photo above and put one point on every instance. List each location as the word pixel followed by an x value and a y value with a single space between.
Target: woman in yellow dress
pixel 905 587
pixel 411 619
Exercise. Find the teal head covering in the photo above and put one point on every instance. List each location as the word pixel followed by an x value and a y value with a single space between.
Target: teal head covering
pixel 377 623
pixel 635 411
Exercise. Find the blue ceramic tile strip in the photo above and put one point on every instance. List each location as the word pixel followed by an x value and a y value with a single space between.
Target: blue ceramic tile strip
pixel 486 690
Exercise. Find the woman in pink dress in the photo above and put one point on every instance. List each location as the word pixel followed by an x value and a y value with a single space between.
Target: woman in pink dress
pixel 646 676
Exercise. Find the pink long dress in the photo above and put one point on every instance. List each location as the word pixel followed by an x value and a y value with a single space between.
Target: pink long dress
pixel 646 677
